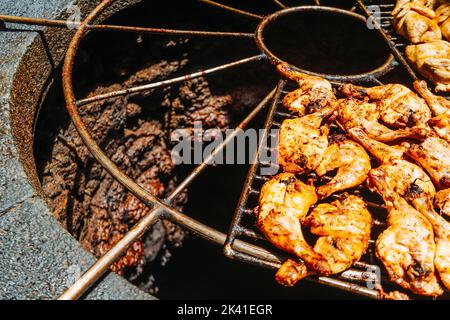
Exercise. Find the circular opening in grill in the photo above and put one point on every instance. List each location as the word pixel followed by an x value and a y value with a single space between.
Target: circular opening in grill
pixel 324 41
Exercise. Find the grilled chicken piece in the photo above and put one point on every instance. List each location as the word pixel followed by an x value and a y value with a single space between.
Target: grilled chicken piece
pixel 354 113
pixel 442 201
pixel 344 228
pixel 440 108
pixel 407 246
pixel 303 141
pixel 401 174
pixel 432 60
pixel 441 229
pixel 414 21
pixel 283 202
pixel 434 156
pixel 399 107
pixel 443 19
pixel 353 165
pixel 315 93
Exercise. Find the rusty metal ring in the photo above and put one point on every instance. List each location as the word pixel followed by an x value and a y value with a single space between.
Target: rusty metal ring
pixel 387 66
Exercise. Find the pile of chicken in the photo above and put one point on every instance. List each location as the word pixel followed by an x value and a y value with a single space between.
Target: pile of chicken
pixel 408 135
pixel 426 24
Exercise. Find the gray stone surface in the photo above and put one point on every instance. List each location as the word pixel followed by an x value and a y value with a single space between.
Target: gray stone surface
pixel 38 259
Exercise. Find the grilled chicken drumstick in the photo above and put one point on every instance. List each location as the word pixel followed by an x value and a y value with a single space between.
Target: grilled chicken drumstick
pixel 399 106
pixel 303 141
pixel 442 201
pixel 440 107
pixel 441 232
pixel 407 246
pixel 353 165
pixel 354 113
pixel 283 202
pixel 314 93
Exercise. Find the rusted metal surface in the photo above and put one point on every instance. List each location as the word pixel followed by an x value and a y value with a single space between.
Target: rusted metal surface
pixel 140 30
pixel 387 66
pixel 170 81
pixel 231 9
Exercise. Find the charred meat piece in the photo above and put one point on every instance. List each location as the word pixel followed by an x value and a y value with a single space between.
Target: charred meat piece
pixel 315 93
pixel 407 246
pixel 303 141
pixel 343 227
pixel 352 162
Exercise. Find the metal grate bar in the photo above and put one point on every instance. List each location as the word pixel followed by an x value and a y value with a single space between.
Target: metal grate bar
pixel 231 9
pixel 102 27
pixel 165 83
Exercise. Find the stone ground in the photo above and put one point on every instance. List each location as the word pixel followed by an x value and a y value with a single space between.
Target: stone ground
pixel 38 258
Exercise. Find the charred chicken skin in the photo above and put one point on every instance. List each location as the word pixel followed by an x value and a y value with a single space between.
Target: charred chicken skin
pixel 442 201
pixel 400 173
pixel 406 247
pixel 441 232
pixel 283 202
pixel 440 108
pixel 343 227
pixel 434 156
pixel 315 93
pixel 399 107
pixel 354 113
pixel 352 163
pixel 414 21
pixel 303 141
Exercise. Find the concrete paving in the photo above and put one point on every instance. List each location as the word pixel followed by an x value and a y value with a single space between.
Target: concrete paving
pixel 38 258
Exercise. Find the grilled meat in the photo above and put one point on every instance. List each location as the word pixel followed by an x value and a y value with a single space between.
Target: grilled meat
pixel 343 227
pixel 414 21
pixel 283 202
pixel 315 93
pixel 399 107
pixel 434 156
pixel 400 174
pixel 443 19
pixel 442 201
pixel 359 114
pixel 441 229
pixel 407 246
pixel 303 141
pixel 440 108
pixel 432 60
pixel 353 165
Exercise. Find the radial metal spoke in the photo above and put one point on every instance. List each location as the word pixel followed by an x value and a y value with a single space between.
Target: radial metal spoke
pixel 103 264
pixel 231 9
pixel 280 4
pixel 167 82
pixel 140 30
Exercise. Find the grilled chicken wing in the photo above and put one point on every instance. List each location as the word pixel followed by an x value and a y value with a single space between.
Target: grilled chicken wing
pixel 432 60
pixel 406 247
pixel 354 113
pixel 343 227
pixel 434 156
pixel 400 174
pixel 314 93
pixel 443 19
pixel 441 229
pixel 353 165
pixel 399 106
pixel 414 21
pixel 440 107
pixel 283 202
pixel 303 141
pixel 442 201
